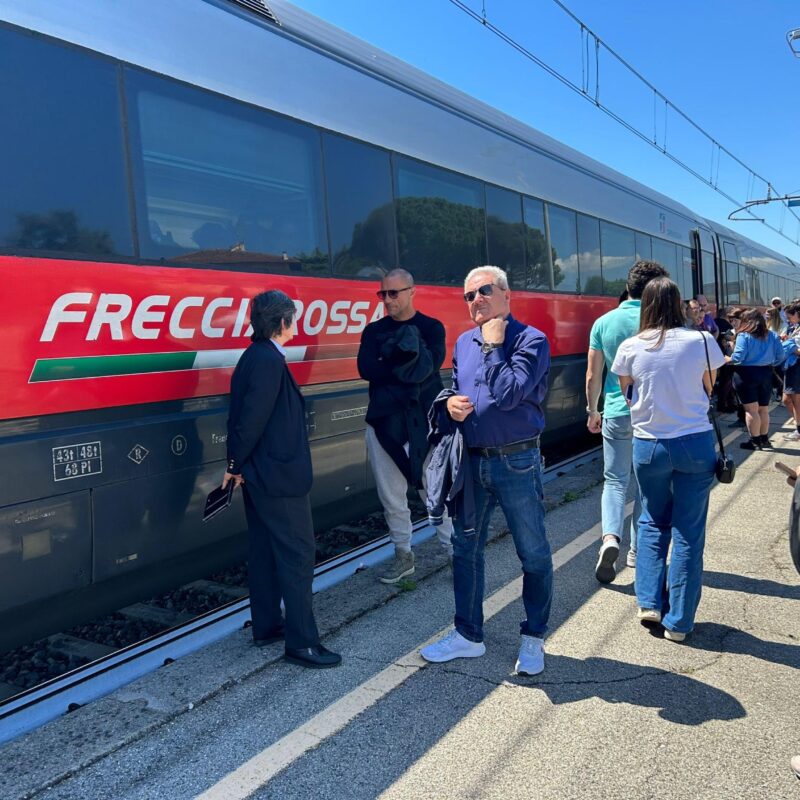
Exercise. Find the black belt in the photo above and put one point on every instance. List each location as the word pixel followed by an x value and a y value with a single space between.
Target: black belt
pixel 506 449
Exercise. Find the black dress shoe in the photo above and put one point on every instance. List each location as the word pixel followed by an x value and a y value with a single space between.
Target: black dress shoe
pixel 271 637
pixel 317 657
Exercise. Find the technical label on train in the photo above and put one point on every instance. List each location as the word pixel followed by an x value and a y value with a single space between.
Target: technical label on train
pixel 77 461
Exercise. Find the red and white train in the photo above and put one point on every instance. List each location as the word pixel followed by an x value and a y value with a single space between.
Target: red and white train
pixel 163 162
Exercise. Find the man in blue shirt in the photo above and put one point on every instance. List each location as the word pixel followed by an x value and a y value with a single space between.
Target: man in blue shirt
pixel 608 333
pixel 500 371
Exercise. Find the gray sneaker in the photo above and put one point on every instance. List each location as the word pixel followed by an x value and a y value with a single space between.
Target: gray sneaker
pixel 401 567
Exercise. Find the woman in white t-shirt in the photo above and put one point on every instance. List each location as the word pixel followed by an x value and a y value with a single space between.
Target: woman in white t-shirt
pixel 664 372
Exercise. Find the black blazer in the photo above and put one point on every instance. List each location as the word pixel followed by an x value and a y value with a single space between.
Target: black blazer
pixel 267 440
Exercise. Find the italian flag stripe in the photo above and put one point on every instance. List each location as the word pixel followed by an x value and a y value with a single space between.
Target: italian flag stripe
pixel 74 368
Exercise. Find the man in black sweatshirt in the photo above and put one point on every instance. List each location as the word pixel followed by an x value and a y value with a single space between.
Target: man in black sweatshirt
pixel 400 356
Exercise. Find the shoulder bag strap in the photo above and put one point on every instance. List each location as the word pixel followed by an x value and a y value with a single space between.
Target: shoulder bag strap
pixel 711 411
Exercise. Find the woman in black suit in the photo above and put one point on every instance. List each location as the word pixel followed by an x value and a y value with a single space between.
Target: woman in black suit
pixel 269 457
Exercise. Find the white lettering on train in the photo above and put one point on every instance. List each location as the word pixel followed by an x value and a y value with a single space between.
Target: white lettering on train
pixel 147 321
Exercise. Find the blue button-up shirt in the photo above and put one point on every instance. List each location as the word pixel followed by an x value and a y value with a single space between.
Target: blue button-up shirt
pixel 507 387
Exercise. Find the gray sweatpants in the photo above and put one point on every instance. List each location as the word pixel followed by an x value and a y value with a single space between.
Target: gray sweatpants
pixel 392 487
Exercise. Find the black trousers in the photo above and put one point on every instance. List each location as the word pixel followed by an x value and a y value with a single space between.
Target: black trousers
pixel 281 565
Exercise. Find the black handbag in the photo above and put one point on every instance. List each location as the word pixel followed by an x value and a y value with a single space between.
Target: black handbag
pixel 726 468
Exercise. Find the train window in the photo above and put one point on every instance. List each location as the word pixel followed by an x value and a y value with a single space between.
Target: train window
pixel 589 255
pixel 618 250
pixel 664 253
pixel 441 232
pixel 709 286
pixel 688 268
pixel 730 251
pixel 537 272
pixel 360 211
pixel 62 163
pixel 644 247
pixel 564 247
pixel 506 233
pixel 759 287
pixel 732 282
pixel 220 183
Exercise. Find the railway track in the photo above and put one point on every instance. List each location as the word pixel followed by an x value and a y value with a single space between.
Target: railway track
pixel 95 659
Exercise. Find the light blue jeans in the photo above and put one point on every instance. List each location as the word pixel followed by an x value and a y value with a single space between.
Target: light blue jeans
pixel 675 476
pixel 617 462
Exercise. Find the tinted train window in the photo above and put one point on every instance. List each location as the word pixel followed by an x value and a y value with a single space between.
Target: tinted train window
pixel 506 233
pixel 537 259
pixel 564 246
pixel 618 248
pixel 441 233
pixel 709 287
pixel 61 160
pixel 644 247
pixel 360 211
pixel 224 184
pixel 589 255
pixel 664 254
pixel 732 282
pixel 688 268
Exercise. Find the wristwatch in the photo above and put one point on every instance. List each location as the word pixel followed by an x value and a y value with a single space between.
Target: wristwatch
pixel 487 347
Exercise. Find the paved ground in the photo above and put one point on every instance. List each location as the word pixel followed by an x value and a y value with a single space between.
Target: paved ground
pixel 618 712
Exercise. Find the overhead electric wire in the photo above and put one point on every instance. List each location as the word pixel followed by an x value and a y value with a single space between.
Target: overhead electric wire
pixel 584 91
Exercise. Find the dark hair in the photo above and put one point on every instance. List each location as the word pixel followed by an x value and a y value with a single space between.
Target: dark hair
pixel 662 309
pixel 735 313
pixel 268 313
pixel 641 273
pixel 753 322
pixel 792 308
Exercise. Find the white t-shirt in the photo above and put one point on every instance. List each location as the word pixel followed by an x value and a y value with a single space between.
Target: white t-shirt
pixel 669 399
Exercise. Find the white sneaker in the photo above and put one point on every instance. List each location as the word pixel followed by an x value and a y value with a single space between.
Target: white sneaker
pixel 794 436
pixel 531 656
pixel 609 551
pixel 648 615
pixel 454 645
pixel 630 559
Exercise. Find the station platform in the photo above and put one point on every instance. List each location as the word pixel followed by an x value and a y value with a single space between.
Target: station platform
pixel 617 713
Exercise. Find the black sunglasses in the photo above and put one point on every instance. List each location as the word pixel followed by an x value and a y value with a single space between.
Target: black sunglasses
pixel 392 294
pixel 487 290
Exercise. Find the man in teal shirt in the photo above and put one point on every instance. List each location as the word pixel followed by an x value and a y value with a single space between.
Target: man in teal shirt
pixel 608 333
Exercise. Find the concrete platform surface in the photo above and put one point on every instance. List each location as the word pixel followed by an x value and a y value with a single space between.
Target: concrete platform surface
pixel 617 713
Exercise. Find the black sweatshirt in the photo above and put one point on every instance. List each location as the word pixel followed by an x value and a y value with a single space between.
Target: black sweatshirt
pixel 401 361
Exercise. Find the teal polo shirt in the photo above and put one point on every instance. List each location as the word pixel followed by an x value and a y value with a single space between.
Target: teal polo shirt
pixel 608 333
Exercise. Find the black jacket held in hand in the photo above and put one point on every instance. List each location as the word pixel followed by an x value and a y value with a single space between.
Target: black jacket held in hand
pixel 267 439
pixel 449 471
pixel 401 361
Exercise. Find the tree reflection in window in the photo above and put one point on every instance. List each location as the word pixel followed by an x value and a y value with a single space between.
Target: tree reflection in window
pixel 58 230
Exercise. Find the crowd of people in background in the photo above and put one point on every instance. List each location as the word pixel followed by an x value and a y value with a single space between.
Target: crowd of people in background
pixel 655 363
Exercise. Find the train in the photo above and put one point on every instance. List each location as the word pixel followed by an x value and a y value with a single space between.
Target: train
pixel 162 163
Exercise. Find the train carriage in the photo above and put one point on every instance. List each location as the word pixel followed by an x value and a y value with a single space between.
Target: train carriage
pixel 163 163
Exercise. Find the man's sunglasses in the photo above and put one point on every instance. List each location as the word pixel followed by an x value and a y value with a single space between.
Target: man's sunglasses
pixel 392 294
pixel 487 290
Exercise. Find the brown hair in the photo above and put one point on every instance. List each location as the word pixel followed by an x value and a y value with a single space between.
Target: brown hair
pixel 753 322
pixel 662 309
pixel 641 273
pixel 792 308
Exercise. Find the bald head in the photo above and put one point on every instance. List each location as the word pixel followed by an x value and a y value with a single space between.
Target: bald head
pixel 400 274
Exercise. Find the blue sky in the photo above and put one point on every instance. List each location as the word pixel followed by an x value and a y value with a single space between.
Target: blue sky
pixel 724 62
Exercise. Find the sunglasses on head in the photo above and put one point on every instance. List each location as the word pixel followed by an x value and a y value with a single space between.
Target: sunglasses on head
pixel 487 290
pixel 392 294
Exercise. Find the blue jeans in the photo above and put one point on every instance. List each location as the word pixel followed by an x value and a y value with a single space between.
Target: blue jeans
pixel 617 459
pixel 675 477
pixel 515 482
